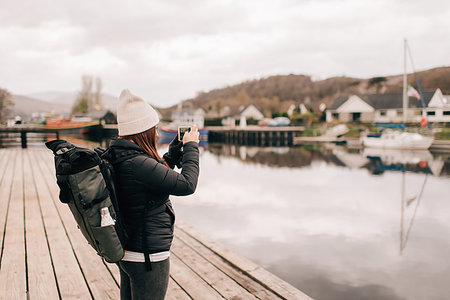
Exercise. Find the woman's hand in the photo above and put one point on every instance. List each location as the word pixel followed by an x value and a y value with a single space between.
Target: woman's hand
pixel 191 136
pixel 174 156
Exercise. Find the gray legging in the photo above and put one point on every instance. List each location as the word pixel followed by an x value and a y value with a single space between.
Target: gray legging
pixel 137 283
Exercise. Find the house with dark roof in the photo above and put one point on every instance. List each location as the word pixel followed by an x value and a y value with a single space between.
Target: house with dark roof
pixel 103 116
pixel 388 108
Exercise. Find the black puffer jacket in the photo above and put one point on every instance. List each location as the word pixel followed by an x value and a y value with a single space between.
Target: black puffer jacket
pixel 141 181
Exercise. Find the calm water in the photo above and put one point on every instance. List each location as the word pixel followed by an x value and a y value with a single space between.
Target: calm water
pixel 330 221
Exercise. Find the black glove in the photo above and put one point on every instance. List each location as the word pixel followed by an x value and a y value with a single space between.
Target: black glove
pixel 174 156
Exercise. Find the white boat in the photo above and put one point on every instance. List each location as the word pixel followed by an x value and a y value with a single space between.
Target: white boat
pixel 391 139
pixel 336 131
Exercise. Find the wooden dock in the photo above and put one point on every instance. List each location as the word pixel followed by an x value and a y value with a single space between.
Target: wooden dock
pixel 44 256
pixel 254 135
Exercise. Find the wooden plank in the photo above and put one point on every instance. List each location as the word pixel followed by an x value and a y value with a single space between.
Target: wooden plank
pixel 175 292
pixel 98 277
pixel 236 261
pixel 2 158
pixel 70 279
pixel 114 270
pixel 47 158
pixel 5 180
pixel 227 287
pixel 234 273
pixel 6 173
pixel 193 284
pixel 48 165
pixel 260 275
pixel 41 279
pixel 13 259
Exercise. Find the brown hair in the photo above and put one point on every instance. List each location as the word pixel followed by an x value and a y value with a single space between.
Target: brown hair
pixel 147 141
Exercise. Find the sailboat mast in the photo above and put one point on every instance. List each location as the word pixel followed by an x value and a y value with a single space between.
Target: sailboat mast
pixel 405 96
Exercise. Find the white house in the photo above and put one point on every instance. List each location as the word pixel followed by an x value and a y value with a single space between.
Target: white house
pixel 185 114
pixel 249 112
pixel 290 110
pixel 389 108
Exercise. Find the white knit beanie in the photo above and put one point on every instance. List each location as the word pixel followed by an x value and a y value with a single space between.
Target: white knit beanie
pixel 134 115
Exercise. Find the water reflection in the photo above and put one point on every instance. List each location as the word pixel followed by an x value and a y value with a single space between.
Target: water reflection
pixel 337 224
pixel 377 161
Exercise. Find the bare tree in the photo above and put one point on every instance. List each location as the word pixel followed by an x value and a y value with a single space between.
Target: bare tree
pixel 5 104
pixel 87 99
pixel 98 105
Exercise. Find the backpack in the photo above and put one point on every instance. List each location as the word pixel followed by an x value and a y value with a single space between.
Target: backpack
pixel 87 184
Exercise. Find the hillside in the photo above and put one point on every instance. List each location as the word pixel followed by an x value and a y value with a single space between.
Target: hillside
pixel 67 99
pixel 59 102
pixel 24 106
pixel 277 93
pixel 271 94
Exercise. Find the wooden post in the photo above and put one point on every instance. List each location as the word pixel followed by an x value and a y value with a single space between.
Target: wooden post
pixel 23 137
pixel 290 138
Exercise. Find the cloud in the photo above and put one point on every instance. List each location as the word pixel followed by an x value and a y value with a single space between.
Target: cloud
pixel 168 51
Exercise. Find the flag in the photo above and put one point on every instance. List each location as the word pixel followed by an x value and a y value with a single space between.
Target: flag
pixel 423 122
pixel 413 93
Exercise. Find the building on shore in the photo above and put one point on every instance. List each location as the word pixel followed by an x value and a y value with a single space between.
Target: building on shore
pixel 187 114
pixel 103 116
pixel 388 108
pixel 249 112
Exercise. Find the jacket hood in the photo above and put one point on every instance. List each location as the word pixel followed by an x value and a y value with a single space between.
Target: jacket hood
pixel 124 144
pixel 123 147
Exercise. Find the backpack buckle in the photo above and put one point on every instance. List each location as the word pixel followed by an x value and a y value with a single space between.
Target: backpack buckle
pixel 62 151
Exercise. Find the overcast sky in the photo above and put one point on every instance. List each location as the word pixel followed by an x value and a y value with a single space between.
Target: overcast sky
pixel 168 51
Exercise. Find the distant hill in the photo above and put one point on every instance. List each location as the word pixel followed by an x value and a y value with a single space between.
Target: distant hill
pixel 271 94
pixel 58 102
pixel 25 106
pixel 277 93
pixel 49 96
pixel 68 99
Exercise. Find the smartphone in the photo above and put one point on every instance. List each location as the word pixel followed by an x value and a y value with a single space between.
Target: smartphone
pixel 182 130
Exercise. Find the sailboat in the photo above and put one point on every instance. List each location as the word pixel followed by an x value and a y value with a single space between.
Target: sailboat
pixel 394 139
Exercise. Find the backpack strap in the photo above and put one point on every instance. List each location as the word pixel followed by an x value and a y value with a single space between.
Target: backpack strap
pixel 149 213
pixel 114 160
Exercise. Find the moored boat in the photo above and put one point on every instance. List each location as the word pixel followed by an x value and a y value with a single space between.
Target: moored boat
pixel 73 126
pixel 391 139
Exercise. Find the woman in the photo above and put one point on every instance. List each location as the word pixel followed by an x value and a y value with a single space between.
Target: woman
pixel 144 183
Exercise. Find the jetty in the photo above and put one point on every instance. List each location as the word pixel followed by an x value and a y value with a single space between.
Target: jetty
pixel 24 133
pixel 254 135
pixel 44 255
